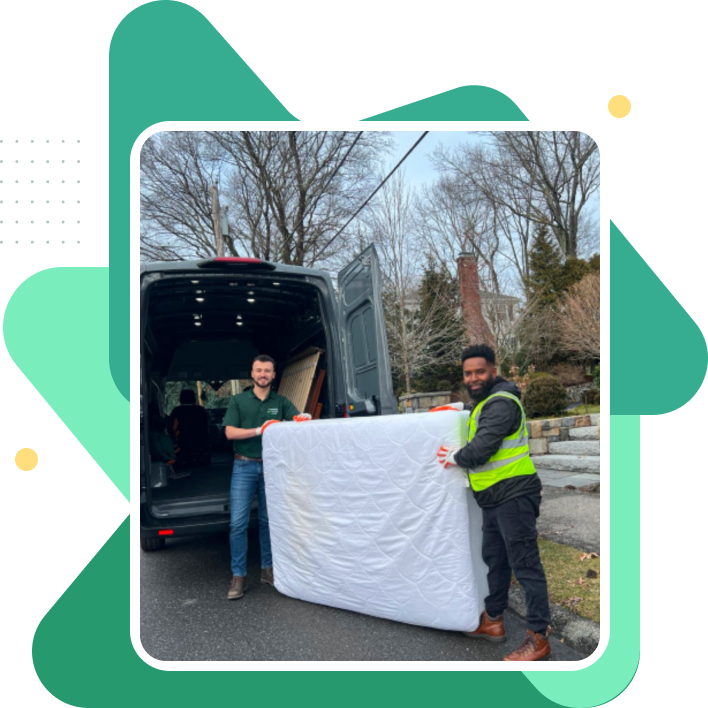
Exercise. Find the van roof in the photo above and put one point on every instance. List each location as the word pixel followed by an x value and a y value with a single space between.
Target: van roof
pixel 225 265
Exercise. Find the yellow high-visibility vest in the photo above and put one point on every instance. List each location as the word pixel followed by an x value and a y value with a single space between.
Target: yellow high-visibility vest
pixel 511 459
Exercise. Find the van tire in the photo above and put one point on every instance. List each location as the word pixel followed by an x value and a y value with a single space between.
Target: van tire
pixel 152 544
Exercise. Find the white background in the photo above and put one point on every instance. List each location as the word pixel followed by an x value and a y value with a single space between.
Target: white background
pixel 560 62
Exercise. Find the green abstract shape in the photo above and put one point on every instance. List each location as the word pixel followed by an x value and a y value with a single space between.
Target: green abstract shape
pixel 463 103
pixel 615 669
pixel 643 312
pixel 161 55
pixel 81 647
pixel 83 655
pixel 56 331
pixel 167 62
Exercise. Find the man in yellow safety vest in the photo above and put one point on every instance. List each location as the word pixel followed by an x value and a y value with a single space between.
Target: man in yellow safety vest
pixel 508 490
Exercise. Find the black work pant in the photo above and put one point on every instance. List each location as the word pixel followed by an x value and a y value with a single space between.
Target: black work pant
pixel 509 542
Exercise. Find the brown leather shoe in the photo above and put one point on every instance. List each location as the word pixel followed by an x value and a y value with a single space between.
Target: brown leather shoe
pixel 267 576
pixel 491 630
pixel 237 588
pixel 533 648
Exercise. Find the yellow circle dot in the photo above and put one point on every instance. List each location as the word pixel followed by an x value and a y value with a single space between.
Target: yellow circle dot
pixel 26 459
pixel 619 106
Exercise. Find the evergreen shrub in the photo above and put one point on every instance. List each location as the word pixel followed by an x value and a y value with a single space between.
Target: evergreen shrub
pixel 544 397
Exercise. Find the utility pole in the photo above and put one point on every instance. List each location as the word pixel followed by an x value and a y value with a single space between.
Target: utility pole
pixel 216 218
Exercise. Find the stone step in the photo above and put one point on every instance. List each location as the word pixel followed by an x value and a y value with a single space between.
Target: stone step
pixel 562 478
pixel 587 433
pixel 574 447
pixel 571 463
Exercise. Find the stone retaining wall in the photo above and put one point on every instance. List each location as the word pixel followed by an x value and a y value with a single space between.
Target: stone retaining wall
pixel 542 432
pixel 575 392
pixel 422 402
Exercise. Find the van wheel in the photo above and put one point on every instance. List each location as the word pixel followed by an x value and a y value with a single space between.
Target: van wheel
pixel 152 544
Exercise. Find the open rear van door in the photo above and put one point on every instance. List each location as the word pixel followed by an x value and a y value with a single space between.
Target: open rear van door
pixel 367 368
pixel 146 280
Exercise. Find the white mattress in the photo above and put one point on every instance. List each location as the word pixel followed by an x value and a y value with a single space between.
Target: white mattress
pixel 363 517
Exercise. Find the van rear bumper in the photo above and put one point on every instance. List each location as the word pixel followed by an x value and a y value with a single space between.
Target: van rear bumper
pixel 150 527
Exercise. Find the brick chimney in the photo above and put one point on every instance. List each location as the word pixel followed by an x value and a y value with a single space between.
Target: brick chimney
pixel 476 327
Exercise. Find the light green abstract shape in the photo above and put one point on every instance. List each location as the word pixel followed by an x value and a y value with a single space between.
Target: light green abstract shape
pixel 56 331
pixel 615 669
pixel 65 647
pixel 80 648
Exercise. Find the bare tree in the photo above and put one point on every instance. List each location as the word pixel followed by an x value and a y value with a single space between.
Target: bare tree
pixel 418 336
pixel 419 340
pixel 292 191
pixel 287 193
pixel 579 318
pixel 175 198
pixel 453 219
pixel 504 316
pixel 538 177
pixel 390 222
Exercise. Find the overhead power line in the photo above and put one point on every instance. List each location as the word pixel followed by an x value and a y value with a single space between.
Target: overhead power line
pixel 371 196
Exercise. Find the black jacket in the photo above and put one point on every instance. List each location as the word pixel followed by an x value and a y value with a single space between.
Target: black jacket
pixel 499 417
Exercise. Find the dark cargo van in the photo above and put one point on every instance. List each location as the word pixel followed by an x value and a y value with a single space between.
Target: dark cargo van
pixel 206 321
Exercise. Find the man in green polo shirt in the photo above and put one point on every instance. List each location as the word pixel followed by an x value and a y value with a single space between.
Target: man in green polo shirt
pixel 248 415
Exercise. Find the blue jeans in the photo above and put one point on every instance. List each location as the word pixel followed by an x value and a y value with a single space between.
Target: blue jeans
pixel 247 480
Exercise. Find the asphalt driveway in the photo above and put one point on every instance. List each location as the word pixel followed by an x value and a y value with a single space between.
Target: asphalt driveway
pixel 185 616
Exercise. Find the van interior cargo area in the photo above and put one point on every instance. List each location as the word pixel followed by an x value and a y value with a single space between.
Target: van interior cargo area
pixel 208 327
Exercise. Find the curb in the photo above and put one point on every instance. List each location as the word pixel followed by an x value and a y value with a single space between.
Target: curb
pixel 579 633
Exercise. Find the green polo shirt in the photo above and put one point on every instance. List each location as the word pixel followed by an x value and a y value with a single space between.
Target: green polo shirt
pixel 246 410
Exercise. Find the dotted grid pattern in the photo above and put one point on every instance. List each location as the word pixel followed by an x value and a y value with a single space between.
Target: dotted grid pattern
pixel 40 191
pixel 363 517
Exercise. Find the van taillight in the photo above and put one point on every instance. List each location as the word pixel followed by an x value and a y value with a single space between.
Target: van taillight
pixel 166 532
pixel 231 261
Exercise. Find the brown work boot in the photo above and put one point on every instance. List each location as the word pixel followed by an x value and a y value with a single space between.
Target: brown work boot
pixel 267 576
pixel 237 588
pixel 490 629
pixel 533 648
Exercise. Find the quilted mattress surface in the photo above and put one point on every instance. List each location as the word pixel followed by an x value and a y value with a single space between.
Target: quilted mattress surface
pixel 364 518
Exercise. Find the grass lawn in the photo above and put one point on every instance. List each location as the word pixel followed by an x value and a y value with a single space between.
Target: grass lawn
pixel 564 569
pixel 582 409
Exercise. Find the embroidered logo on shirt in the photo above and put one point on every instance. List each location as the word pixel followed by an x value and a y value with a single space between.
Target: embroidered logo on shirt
pixel 272 411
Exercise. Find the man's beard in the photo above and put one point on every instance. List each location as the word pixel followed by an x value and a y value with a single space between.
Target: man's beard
pixel 483 392
pixel 259 385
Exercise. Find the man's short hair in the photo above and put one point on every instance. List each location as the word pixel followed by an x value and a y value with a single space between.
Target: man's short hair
pixel 264 358
pixel 187 397
pixel 479 350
